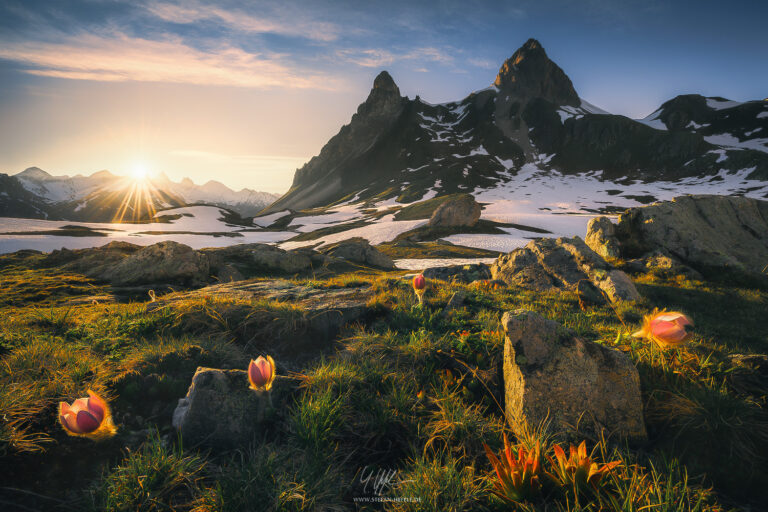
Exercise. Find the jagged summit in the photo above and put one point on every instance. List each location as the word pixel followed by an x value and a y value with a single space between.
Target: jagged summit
pixel 529 73
pixel 384 82
pixel 384 98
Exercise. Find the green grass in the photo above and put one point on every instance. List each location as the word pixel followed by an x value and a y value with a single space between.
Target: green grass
pixel 410 391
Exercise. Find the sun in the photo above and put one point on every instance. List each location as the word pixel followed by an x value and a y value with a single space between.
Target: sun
pixel 140 172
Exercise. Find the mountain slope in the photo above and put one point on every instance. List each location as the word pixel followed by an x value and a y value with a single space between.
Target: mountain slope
pixel 395 147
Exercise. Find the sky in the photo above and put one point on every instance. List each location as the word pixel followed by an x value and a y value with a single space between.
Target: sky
pixel 245 92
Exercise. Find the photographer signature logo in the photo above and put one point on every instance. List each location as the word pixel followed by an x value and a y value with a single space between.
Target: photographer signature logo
pixel 377 484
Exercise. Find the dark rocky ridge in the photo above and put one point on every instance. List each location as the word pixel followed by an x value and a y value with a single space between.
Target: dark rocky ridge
pixel 400 147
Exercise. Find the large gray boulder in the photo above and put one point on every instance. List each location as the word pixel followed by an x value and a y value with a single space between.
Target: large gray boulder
pixel 220 411
pixel 358 250
pixel 551 374
pixel 549 264
pixel 462 210
pixel 706 232
pixel 124 264
pixel 250 259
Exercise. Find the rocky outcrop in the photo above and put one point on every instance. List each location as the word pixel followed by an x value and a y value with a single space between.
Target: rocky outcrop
pixel 551 374
pixel 358 250
pixel 124 264
pixel 462 210
pixel 712 234
pixel 253 259
pixel 220 411
pixel 459 273
pixel 163 262
pixel 601 238
pixel 548 264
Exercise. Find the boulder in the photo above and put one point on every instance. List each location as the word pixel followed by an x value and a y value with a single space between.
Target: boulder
pixel 220 411
pixel 91 259
pixel 601 238
pixel 549 264
pixel 163 262
pixel 358 250
pixel 551 374
pixel 462 210
pixel 255 259
pixel 707 232
pixel 459 273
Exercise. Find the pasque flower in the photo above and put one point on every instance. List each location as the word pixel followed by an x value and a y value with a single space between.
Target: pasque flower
pixel 261 373
pixel 87 417
pixel 666 328
pixel 420 286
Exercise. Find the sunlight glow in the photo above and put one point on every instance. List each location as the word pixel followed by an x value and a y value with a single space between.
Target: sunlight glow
pixel 140 172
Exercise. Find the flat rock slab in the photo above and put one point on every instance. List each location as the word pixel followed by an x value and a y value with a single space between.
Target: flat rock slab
pixel 551 374
pixel 320 312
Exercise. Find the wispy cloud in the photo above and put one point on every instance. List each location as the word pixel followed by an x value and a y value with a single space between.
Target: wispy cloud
pixel 291 25
pixel 377 57
pixel 124 58
pixel 482 63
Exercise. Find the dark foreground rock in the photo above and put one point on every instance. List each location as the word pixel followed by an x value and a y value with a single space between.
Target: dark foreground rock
pixel 220 411
pixel 462 210
pixel 563 263
pixel 711 234
pixel 459 273
pixel 358 250
pixel 550 374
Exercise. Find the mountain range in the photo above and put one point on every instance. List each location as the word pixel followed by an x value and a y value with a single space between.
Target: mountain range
pixel 396 147
pixel 105 197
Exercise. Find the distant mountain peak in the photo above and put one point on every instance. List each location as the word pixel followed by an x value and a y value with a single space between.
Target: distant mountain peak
pixel 35 173
pixel 529 73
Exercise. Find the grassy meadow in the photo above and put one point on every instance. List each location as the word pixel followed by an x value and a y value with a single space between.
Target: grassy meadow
pixel 397 408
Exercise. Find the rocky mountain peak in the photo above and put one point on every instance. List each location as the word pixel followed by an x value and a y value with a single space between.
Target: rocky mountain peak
pixel 384 97
pixel 529 73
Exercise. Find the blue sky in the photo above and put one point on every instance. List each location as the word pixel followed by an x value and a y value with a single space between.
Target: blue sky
pixel 245 92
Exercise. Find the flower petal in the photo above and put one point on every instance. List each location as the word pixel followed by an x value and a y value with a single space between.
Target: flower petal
pixel 96 406
pixel 87 422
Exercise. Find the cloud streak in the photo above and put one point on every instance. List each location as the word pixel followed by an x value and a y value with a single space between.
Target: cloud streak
pixel 295 26
pixel 125 58
pixel 377 57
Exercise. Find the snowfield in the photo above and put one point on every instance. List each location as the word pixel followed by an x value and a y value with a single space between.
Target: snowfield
pixel 534 199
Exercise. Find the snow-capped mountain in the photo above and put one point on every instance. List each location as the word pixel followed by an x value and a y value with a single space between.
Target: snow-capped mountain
pixel 103 196
pixel 531 116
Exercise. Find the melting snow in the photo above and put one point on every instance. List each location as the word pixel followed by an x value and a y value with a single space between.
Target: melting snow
pixel 720 104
